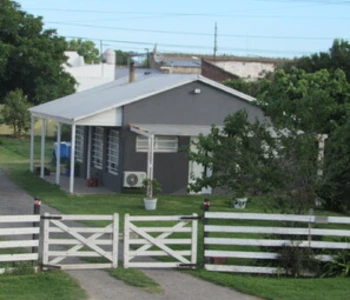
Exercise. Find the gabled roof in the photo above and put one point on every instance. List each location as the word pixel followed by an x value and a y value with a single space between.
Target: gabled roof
pixel 81 105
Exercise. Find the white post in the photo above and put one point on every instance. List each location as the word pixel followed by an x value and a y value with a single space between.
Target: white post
pixel 58 153
pixel 72 161
pixel 32 123
pixel 88 169
pixel 42 157
pixel 150 157
pixel 321 143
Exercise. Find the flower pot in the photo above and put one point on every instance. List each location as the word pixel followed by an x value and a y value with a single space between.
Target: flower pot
pixel 239 203
pixel 150 204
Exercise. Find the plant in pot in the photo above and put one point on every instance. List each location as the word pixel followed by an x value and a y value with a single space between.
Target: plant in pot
pixel 152 188
pixel 239 199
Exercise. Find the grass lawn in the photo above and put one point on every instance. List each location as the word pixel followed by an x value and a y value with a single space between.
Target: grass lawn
pixel 43 286
pixel 14 155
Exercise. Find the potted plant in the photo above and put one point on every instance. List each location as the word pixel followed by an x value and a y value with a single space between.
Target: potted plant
pixel 152 188
pixel 239 199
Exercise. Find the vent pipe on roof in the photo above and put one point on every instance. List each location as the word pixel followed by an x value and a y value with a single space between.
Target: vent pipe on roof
pixel 132 72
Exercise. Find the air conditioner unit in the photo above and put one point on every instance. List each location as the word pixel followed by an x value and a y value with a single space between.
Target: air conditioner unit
pixel 134 179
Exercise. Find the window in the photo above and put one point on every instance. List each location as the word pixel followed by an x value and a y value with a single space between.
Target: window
pixel 97 148
pixel 79 143
pixel 113 152
pixel 161 143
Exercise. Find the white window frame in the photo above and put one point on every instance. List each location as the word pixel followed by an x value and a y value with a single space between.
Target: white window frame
pixel 79 143
pixel 113 152
pixel 97 148
pixel 161 144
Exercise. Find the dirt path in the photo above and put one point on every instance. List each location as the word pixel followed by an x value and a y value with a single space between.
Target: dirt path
pixel 100 286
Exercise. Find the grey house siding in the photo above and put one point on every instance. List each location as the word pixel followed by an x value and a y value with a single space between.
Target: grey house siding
pixel 171 169
pixel 178 106
pixel 182 106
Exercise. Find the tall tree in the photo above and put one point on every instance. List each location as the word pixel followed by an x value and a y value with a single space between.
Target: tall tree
pixel 87 49
pixel 31 58
pixel 337 57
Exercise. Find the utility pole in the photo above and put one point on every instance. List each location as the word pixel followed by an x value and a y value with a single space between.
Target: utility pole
pixel 215 41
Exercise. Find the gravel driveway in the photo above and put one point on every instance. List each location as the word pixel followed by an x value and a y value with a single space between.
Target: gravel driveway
pixel 99 285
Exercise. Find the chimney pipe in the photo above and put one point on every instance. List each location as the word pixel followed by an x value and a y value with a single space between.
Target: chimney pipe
pixel 132 72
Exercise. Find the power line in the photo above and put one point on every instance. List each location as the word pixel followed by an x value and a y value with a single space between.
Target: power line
pixel 202 47
pixel 196 33
pixel 179 14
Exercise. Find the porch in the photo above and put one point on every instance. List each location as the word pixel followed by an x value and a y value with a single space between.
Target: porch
pixel 80 185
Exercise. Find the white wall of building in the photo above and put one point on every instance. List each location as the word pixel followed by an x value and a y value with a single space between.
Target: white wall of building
pixel 246 69
pixel 88 76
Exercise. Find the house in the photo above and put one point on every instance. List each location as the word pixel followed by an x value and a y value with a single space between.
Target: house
pixel 140 127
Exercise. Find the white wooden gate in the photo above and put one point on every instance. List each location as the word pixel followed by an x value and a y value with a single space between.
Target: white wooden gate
pixel 64 243
pixel 142 241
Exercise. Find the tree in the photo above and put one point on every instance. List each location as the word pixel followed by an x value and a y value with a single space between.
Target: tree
pixel 15 112
pixel 338 57
pixel 31 58
pixel 251 158
pixel 312 102
pixel 122 58
pixel 87 49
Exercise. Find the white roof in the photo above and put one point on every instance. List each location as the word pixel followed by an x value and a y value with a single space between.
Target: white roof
pixel 167 129
pixel 113 95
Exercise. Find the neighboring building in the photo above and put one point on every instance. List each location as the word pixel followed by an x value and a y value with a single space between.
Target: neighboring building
pixel 113 126
pixel 219 69
pixel 248 68
pixel 174 63
pixel 90 76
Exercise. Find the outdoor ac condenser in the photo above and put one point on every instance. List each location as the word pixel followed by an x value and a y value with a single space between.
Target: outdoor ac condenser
pixel 134 179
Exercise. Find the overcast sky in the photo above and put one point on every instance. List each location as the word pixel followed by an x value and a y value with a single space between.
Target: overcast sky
pixel 275 28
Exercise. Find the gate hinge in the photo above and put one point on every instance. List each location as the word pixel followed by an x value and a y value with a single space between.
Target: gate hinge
pixel 190 218
pixel 187 265
pixel 50 267
pixel 51 218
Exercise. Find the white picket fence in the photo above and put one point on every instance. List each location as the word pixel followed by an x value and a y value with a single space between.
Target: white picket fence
pixel 217 236
pixel 16 233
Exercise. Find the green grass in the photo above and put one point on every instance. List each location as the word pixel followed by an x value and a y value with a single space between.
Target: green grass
pixel 137 278
pixel 43 286
pixel 273 288
pixel 262 286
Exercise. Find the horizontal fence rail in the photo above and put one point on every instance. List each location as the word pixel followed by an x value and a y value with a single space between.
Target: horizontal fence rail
pixel 19 240
pixel 238 242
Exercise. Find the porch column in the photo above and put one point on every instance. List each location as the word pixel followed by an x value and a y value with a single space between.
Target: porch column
pixel 88 168
pixel 58 154
pixel 32 122
pixel 42 157
pixel 72 161
pixel 150 157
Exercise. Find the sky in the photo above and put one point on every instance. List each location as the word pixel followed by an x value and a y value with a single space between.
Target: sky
pixel 268 28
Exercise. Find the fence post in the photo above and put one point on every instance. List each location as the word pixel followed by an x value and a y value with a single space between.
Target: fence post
pixel 36 211
pixel 311 213
pixel 206 207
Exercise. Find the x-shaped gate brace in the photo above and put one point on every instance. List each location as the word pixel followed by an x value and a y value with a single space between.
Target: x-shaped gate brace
pixel 155 241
